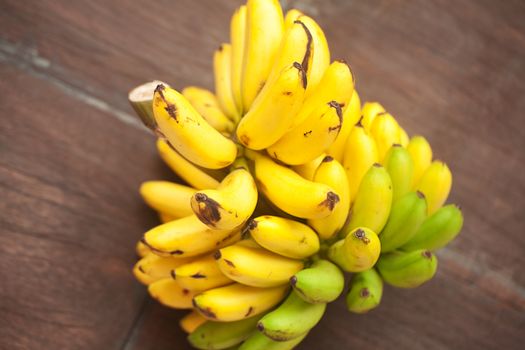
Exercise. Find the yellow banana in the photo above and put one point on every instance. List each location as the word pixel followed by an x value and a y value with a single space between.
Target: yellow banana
pixel 312 137
pixel 205 103
pixel 142 250
pixel 307 170
pixel 421 154
pixel 256 267
pixel 286 237
pixel 186 129
pixel 359 155
pixel 291 16
pixel 264 30
pixel 237 38
pixel 273 111
pixel 350 117
pixel 169 293
pixel 357 252
pixel 435 185
pixel 186 170
pixel 230 205
pixel 167 197
pixel 222 60
pixel 290 192
pixel 191 321
pixel 403 137
pixel 237 301
pixel 200 274
pixel 385 131
pixel 333 174
pixel 369 111
pixel 152 267
pixel 164 218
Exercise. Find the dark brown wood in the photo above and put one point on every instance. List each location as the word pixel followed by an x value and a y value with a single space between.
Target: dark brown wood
pixel 72 157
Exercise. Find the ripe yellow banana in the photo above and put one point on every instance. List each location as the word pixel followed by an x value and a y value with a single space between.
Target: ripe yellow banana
pixel 264 31
pixel 256 267
pixel 333 174
pixel 142 250
pixel 307 170
pixel 290 192
pixel 357 252
pixel 311 138
pixel 152 267
pixel 222 60
pixel 205 103
pixel 273 111
pixel 237 39
pixel 400 167
pixel 191 321
pixel 200 274
pixel 186 170
pixel 286 237
pixel 421 154
pixel 370 110
pixel 385 131
pixel 350 117
pixel 230 205
pixel 168 197
pixel 237 301
pixel 186 129
pixel 164 218
pixel 403 137
pixel 291 16
pixel 435 185
pixel 169 293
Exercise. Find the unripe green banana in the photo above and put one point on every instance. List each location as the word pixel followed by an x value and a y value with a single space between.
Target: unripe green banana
pixel 291 319
pixel 437 230
pixel 400 167
pixel 221 335
pixel 357 252
pixel 258 341
pixel 406 217
pixel 407 270
pixel 322 282
pixel 366 290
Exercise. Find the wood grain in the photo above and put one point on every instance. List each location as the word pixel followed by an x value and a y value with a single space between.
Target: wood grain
pixel 72 156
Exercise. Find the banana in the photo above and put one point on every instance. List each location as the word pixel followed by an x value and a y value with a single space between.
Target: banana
pixel 286 237
pixel 407 270
pixel 373 201
pixel 385 131
pixel 370 111
pixel 437 230
pixel 337 84
pixel 403 137
pixel 258 341
pixel 186 170
pixel 207 105
pixel 291 319
pixel 222 69
pixel 435 184
pixel 191 321
pixel 264 31
pixel 366 290
pixel 290 192
pixel 167 197
pixel 164 218
pixel 359 155
pixel 421 155
pixel 307 170
pixel 256 267
pixel 169 293
pixel 350 117
pixel 291 16
pixel 237 301
pixel 333 174
pixel 152 267
pixel 322 282
pixel 186 237
pixel 142 250
pixel 200 274
pixel 228 206
pixel 237 39
pixel 357 252
pixel 186 129
pixel 273 111
pixel 400 167
pixel 222 335
pixel 406 216
pixel 141 98
pixel 313 136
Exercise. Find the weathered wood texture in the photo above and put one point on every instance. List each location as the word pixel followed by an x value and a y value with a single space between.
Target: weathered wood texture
pixel 72 156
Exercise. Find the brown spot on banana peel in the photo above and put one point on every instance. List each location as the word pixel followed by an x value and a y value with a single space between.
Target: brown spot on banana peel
pixel 198 275
pixel 309 40
pixel 338 110
pixel 173 274
pixel 377 165
pixel 364 293
pixel 217 255
pixel 427 254
pixel 303 73
pixel 229 262
pixel 359 123
pixel 141 269
pixel 245 140
pixel 396 145
pixel 331 200
pixel 251 225
pixel 170 107
pixel 360 234
pixel 308 133
pixel 208 212
pixel 249 312
pixel 327 159
pixel 174 252
pixel 260 326
pixel 205 311
pixel 420 194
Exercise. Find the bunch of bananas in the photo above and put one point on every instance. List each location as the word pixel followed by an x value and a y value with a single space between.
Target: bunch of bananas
pixel 290 183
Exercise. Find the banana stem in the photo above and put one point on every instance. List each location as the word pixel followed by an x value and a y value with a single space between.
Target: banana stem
pixel 141 99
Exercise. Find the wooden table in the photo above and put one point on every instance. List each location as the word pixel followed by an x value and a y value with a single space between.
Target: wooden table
pixel 72 156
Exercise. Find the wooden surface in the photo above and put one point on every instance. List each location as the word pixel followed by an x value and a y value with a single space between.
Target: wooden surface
pixel 72 156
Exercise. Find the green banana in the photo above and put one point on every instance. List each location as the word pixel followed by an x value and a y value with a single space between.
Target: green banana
pixel 400 167
pixel 258 341
pixel 366 290
pixel 322 282
pixel 437 230
pixel 406 217
pixel 291 319
pixel 221 335
pixel 407 270
pixel 357 252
